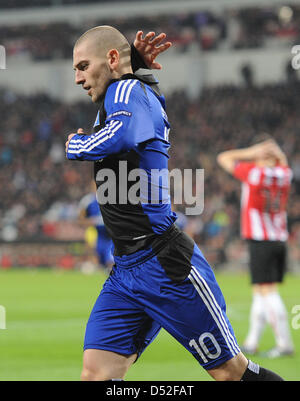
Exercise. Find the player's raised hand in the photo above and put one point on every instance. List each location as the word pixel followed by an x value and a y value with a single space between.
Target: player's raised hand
pixel 273 149
pixel 79 131
pixel 265 150
pixel 150 47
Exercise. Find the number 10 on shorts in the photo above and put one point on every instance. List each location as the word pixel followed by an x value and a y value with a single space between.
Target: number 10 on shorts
pixel 202 349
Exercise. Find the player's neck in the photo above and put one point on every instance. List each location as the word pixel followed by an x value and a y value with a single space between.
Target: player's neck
pixel 122 71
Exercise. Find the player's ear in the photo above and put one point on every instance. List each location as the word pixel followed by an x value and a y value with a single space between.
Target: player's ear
pixel 113 58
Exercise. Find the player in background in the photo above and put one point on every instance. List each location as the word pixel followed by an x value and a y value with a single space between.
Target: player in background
pixel 90 217
pixel 265 175
pixel 186 224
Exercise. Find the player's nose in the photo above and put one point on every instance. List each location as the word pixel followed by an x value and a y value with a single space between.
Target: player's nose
pixel 79 78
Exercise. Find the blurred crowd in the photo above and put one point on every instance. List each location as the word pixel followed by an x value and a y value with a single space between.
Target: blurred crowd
pixel 206 30
pixel 40 189
pixel 48 3
pixel 224 118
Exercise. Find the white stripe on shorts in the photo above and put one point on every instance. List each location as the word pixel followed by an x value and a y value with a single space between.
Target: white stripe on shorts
pixel 214 308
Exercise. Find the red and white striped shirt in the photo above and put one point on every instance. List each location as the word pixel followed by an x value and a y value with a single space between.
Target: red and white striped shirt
pixel 265 193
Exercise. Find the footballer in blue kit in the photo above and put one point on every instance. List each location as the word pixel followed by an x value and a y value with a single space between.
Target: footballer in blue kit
pixel 160 277
pixel 89 209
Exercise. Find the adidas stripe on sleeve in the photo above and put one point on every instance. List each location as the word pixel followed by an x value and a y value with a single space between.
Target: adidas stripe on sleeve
pixel 128 123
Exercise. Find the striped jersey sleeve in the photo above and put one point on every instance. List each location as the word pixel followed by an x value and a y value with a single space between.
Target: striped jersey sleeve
pixel 242 169
pixel 127 124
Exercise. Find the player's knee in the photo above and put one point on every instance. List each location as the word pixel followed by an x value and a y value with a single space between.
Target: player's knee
pixel 92 375
pixel 100 365
pixel 232 370
pixel 89 374
pixel 226 375
pixel 265 288
pixel 96 371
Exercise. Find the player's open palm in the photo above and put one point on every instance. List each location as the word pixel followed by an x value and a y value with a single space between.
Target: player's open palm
pixel 150 47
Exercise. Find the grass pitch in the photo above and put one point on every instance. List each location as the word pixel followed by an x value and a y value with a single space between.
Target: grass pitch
pixel 46 313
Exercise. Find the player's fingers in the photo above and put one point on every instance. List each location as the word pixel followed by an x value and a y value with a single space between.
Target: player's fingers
pixel 149 36
pixel 158 39
pixel 80 131
pixel 156 66
pixel 138 38
pixel 160 49
pixel 139 35
pixel 69 138
pixel 270 147
pixel 164 46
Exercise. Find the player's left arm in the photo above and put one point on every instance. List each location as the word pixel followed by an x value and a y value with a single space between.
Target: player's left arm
pixel 145 50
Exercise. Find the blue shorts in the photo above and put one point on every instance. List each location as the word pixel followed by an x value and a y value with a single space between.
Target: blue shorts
pixel 103 249
pixel 146 292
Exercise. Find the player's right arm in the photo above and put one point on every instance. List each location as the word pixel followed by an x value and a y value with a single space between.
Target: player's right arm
pixel 279 154
pixel 128 123
pixel 228 159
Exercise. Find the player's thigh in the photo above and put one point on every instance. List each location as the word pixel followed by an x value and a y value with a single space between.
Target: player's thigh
pixel 231 370
pixel 118 323
pixel 192 310
pixel 205 330
pixel 105 365
pixel 281 257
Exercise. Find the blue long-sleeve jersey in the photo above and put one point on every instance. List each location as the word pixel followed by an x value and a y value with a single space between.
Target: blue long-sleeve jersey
pixel 130 135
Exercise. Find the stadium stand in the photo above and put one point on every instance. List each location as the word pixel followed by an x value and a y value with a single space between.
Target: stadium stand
pixel 46 3
pixel 236 29
pixel 38 200
pixel 37 192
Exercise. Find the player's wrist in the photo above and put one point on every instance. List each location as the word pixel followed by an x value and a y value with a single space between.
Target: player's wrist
pixel 137 60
